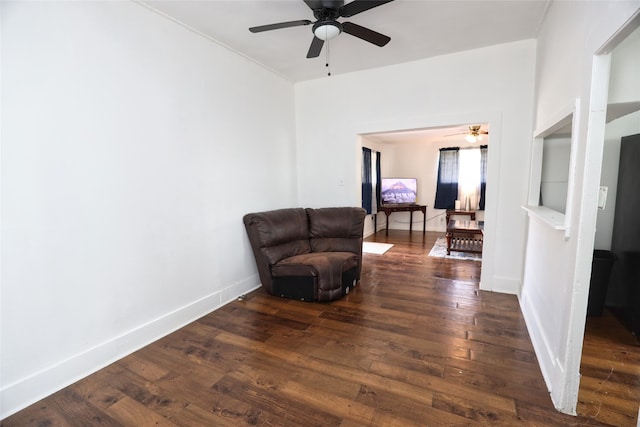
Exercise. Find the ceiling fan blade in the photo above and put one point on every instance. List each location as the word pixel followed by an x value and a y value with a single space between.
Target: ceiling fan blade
pixel 313 4
pixel 358 6
pixel 315 48
pixel 279 25
pixel 365 33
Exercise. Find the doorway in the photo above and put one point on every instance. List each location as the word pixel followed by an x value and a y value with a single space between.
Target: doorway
pixel 616 91
pixel 415 154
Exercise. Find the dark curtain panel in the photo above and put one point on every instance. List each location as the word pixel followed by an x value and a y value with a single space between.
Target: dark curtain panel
pixel 483 174
pixel 367 187
pixel 378 179
pixel 447 186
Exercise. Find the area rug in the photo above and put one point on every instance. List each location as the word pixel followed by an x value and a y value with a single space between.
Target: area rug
pixel 375 248
pixel 439 250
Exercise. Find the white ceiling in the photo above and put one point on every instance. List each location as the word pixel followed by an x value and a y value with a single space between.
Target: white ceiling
pixel 418 29
pixel 454 135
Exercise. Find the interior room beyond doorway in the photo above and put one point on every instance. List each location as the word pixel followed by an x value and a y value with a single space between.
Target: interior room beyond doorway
pixel 415 154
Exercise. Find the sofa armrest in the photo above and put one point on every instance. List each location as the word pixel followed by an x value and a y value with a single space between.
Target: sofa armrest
pixel 275 235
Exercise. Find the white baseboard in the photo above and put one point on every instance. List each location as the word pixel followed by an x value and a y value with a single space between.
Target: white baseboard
pixel 539 342
pixel 28 390
pixel 503 285
pixel 552 369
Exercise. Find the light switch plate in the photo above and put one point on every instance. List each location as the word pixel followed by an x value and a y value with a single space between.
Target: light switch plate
pixel 602 197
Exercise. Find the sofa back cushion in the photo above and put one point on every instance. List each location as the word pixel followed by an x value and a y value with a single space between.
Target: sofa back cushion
pixel 336 229
pixel 278 234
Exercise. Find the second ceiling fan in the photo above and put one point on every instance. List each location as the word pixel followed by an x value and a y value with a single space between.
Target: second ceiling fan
pixel 473 134
pixel 327 26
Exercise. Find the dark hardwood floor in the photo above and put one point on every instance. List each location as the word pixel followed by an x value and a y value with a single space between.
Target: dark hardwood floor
pixel 415 344
pixel 610 368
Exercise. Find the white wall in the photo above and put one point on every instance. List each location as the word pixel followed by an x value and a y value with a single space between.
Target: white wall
pixel 624 84
pixel 493 85
pixel 411 160
pixel 554 178
pixel 131 148
pixel 557 273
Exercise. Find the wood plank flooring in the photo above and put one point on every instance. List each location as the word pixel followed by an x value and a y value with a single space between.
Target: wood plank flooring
pixel 610 368
pixel 415 344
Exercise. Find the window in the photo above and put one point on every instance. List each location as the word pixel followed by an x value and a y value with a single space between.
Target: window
pixel 462 176
pixel 469 177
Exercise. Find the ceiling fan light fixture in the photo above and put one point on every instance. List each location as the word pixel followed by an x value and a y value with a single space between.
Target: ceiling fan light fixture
pixel 471 138
pixel 326 30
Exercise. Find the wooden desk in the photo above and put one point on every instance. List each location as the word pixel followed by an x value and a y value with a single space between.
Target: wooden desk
pixel 470 214
pixel 389 209
pixel 465 236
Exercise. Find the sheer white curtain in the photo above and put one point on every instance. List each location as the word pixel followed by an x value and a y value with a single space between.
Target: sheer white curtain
pixel 469 178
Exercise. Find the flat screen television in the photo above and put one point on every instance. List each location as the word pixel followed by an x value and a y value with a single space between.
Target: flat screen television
pixel 399 191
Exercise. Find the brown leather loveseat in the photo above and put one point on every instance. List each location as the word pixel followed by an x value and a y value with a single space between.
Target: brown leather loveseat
pixel 307 254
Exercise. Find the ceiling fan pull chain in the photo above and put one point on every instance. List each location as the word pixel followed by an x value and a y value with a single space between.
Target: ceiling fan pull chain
pixel 327 60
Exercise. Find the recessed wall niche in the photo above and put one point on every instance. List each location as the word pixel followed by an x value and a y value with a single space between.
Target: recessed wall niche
pixel 554 176
pixel 552 170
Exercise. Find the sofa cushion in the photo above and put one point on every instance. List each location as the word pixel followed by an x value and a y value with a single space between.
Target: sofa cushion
pixel 327 267
pixel 336 229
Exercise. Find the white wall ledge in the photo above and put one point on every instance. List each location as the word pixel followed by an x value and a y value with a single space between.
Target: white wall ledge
pixel 554 219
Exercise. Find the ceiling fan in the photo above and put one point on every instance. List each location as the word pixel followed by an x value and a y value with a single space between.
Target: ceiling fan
pixel 326 25
pixel 473 134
